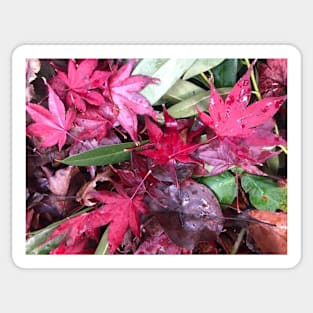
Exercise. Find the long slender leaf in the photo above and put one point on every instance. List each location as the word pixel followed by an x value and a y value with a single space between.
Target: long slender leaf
pixel 148 66
pixel 103 246
pixel 200 66
pixel 109 154
pixel 186 108
pixel 47 246
pixel 39 236
pixel 182 90
pixel 225 74
pixel 169 73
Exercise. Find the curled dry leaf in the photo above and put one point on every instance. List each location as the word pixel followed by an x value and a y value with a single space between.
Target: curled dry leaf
pixel 269 239
pixel 83 195
pixel 60 181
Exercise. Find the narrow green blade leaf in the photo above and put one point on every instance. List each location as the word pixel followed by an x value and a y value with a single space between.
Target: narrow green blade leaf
pixel 109 154
pixel 34 241
pixel 182 90
pixel 47 246
pixel 186 108
pixel 223 185
pixel 225 74
pixel 148 66
pixel 103 246
pixel 169 73
pixel 200 66
pixel 264 193
pixel 39 236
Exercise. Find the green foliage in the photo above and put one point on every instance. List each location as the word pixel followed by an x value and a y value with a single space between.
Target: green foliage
pixel 200 66
pixel 264 193
pixel 168 73
pixel 225 74
pixel 186 108
pixel 109 154
pixel 223 185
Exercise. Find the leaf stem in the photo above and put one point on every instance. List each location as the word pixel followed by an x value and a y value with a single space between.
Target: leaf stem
pixel 191 147
pixel 141 183
pixel 236 246
pixel 254 83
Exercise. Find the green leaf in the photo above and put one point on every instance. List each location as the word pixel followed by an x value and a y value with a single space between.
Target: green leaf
pixel 223 185
pixel 103 246
pixel 182 90
pixel 38 237
pixel 200 66
pixel 225 74
pixel 109 154
pixel 264 193
pixel 34 241
pixel 148 66
pixel 168 73
pixel 186 108
pixel 48 246
pixel 273 164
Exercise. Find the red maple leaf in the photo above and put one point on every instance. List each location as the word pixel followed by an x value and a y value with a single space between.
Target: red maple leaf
pixel 122 90
pixel 169 145
pixel 82 81
pixel 94 123
pixel 273 77
pixel 119 210
pixel 223 154
pixel 234 117
pixel 51 125
pixel 168 149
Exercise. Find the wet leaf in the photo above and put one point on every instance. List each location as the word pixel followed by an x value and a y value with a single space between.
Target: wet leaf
pixel 48 246
pixel 264 193
pixel 189 214
pixel 182 90
pixel 200 66
pixel 269 239
pixel 38 237
pixel 109 154
pixel 186 108
pixel 148 66
pixel 223 185
pixel 169 73
pixel 103 246
pixel 60 181
pixel 225 74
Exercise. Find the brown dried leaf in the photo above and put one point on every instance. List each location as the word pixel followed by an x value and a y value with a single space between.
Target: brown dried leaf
pixel 60 181
pixel 83 195
pixel 269 239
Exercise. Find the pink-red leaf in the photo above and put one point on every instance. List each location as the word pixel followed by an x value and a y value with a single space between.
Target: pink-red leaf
pixel 234 118
pixel 50 125
pixel 123 90
pixel 82 81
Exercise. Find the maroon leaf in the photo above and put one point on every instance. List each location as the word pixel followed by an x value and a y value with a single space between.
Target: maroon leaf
pixel 189 214
pixel 51 125
pixel 229 152
pixel 160 244
pixel 168 145
pixel 94 123
pixel 273 77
